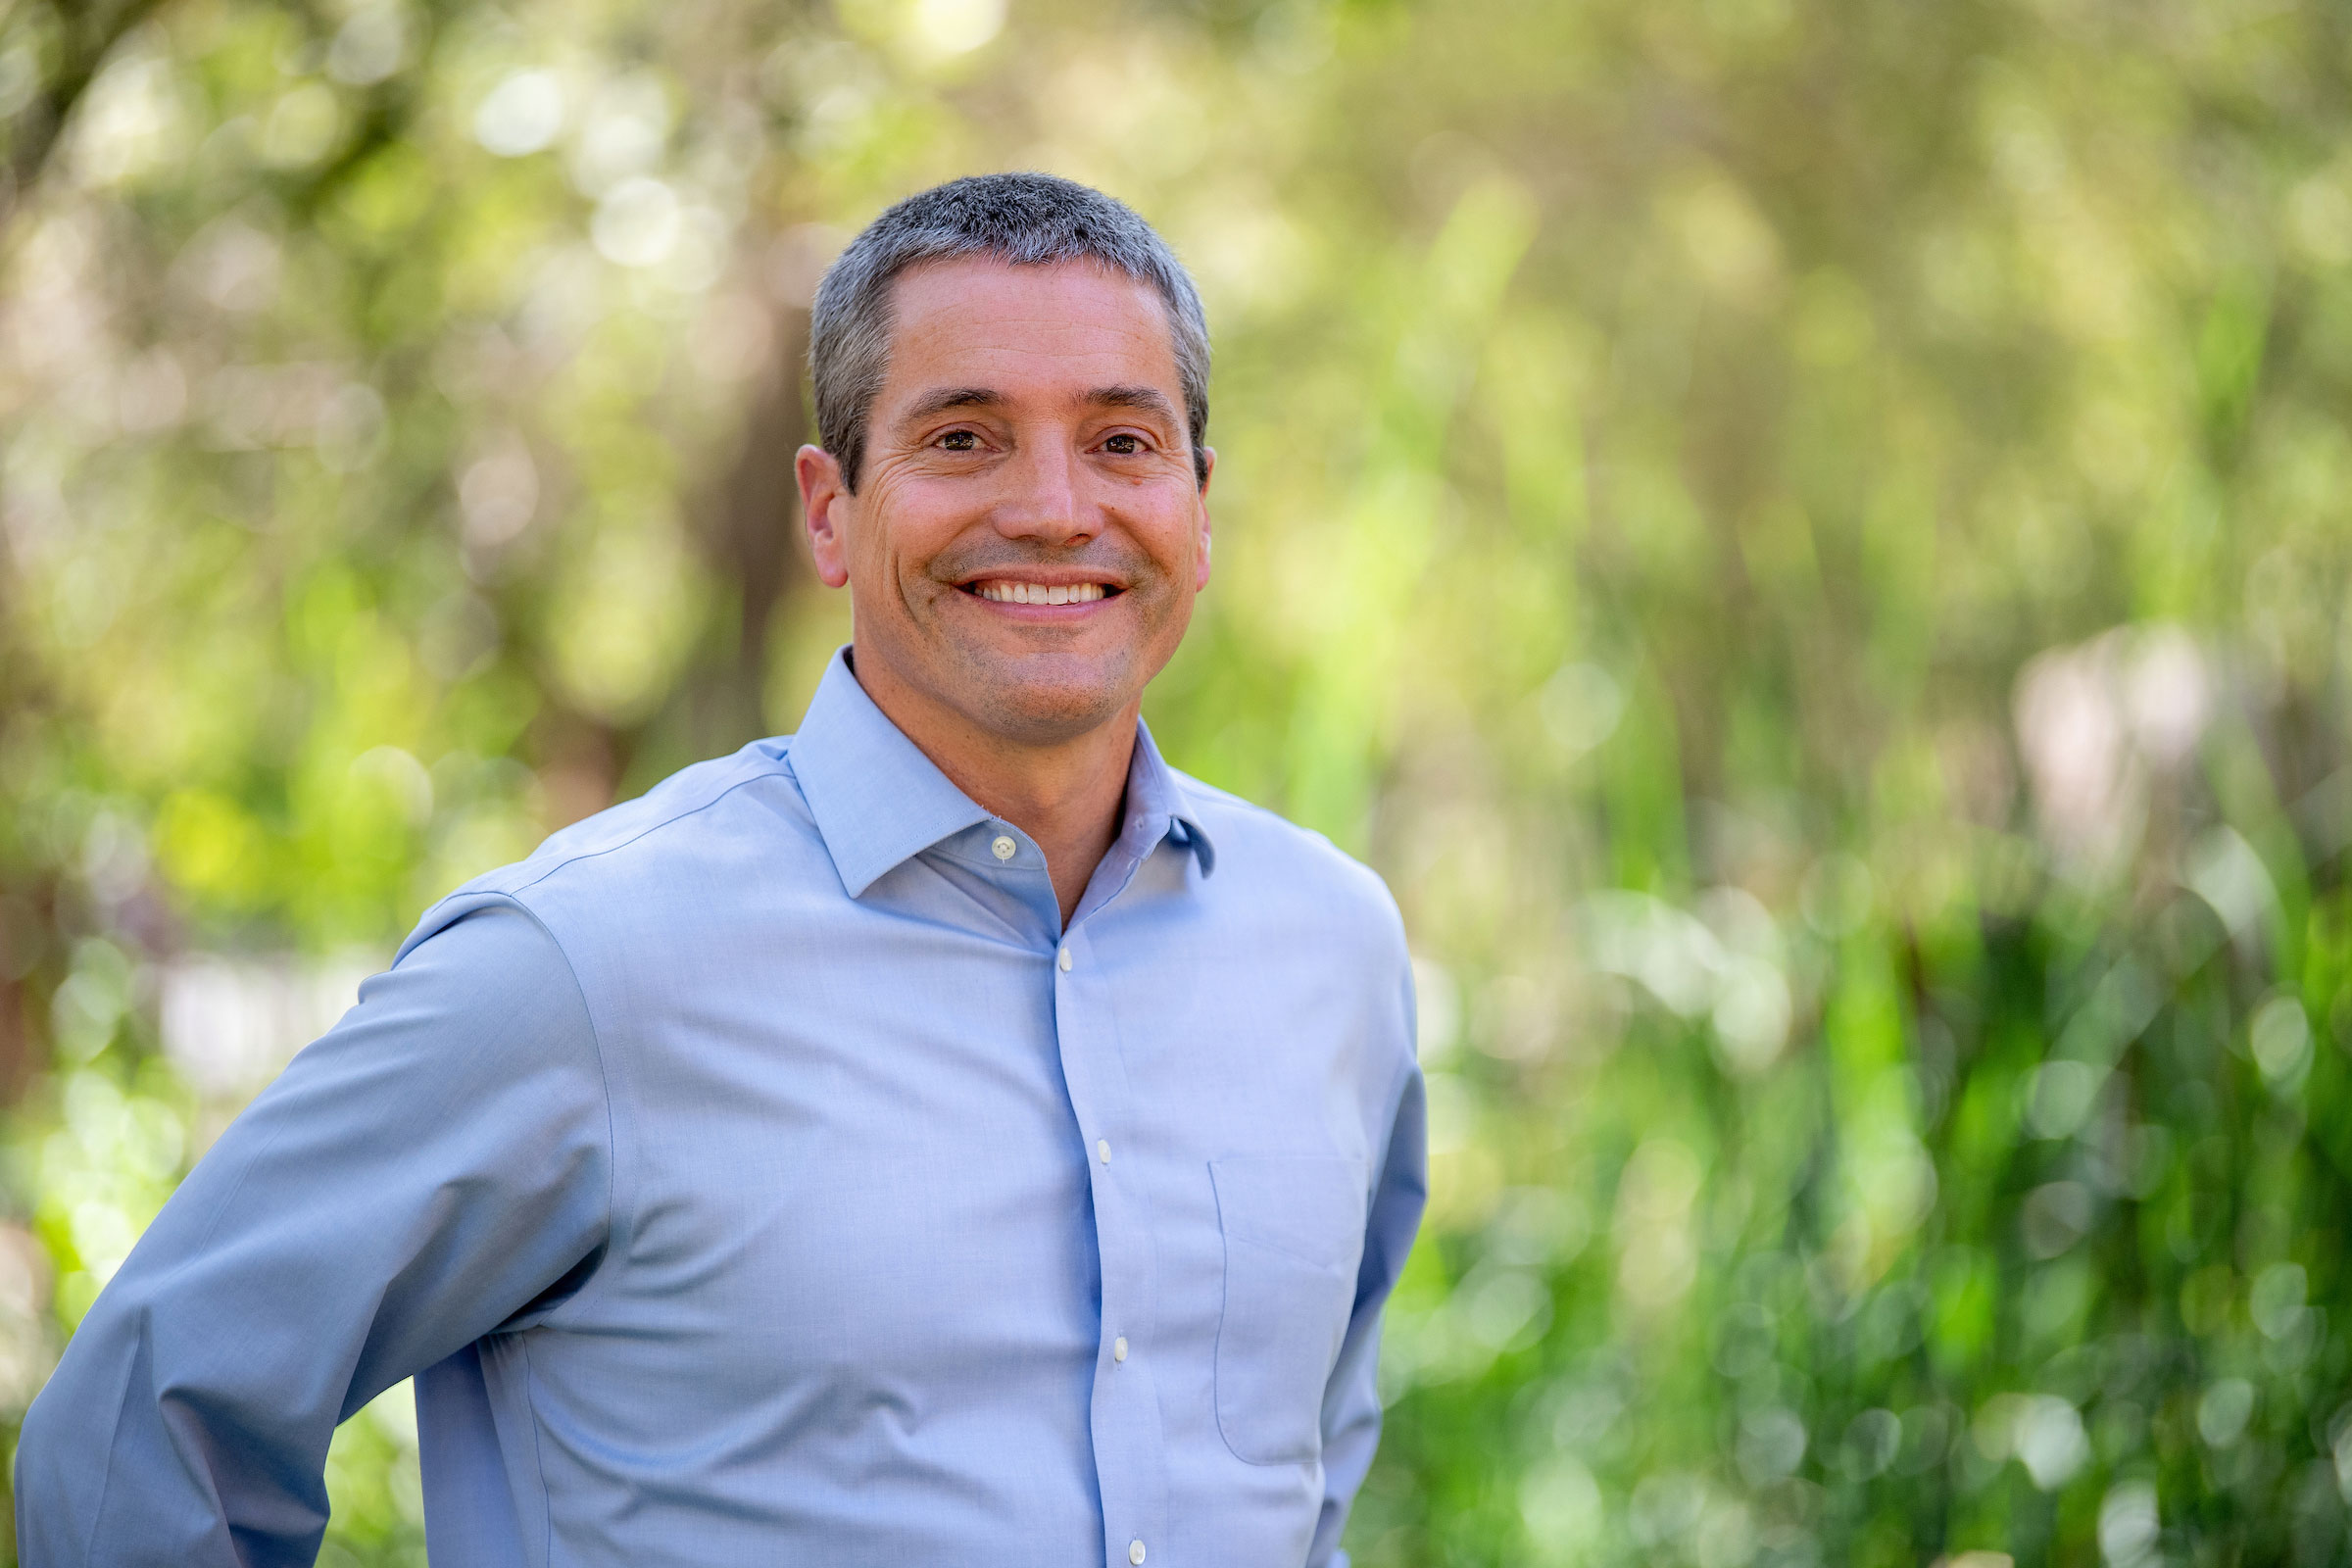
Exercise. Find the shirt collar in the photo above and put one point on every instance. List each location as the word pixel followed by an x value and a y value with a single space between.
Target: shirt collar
pixel 878 801
pixel 1154 799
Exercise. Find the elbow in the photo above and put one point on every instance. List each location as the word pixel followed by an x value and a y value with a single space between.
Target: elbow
pixel 44 1480
pixel 65 1443
pixel 46 1431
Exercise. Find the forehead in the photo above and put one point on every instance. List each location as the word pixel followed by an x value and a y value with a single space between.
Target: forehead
pixel 1026 329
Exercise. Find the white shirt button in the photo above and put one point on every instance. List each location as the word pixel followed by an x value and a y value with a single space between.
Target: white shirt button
pixel 1119 1349
pixel 1003 849
pixel 1064 960
pixel 1102 1149
pixel 1135 1552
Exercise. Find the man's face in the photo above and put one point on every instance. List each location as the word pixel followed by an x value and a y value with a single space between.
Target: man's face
pixel 1027 535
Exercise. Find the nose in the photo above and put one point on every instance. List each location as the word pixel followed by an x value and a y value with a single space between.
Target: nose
pixel 1043 503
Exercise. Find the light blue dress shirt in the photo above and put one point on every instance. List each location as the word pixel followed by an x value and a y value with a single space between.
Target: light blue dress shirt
pixel 762 1174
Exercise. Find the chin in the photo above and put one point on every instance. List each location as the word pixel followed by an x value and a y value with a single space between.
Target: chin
pixel 1042 702
pixel 1047 713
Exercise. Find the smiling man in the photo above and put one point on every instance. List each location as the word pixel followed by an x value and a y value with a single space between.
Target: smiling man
pixel 945 1136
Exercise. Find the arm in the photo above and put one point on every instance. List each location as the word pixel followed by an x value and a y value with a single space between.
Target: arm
pixel 416 1178
pixel 1351 1398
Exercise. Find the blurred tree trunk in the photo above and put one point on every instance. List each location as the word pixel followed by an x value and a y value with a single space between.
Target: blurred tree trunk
pixel 78 35
pixel 746 533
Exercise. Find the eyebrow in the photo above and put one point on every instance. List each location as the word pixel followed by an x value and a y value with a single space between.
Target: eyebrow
pixel 1149 400
pixel 954 397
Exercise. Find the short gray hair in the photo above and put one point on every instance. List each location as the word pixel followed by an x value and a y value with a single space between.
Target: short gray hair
pixel 1025 220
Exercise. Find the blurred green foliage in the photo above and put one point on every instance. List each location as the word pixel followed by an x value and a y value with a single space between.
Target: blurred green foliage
pixel 1806 540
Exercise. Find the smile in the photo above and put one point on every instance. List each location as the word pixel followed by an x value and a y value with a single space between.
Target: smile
pixel 1004 591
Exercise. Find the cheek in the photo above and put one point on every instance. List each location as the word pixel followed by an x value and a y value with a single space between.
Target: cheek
pixel 1170 529
pixel 1188 557
pixel 898 536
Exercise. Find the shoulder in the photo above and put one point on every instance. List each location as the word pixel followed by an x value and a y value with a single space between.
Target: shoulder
pixel 1269 857
pixel 666 817
pixel 1295 897
pixel 696 819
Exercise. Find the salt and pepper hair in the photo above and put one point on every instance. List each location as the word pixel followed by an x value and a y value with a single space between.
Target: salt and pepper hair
pixel 1025 220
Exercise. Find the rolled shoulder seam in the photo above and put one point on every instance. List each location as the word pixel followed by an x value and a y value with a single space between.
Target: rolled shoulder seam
pixel 774 769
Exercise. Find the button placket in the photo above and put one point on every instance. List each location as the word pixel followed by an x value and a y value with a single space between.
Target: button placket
pixel 1130 1468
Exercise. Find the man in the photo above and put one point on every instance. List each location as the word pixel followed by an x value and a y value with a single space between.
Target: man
pixel 945 1136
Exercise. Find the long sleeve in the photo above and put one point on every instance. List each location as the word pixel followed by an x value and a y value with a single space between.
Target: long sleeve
pixel 1352 1399
pixel 435 1167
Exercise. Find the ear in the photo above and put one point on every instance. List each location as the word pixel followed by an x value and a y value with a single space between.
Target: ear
pixel 1209 470
pixel 825 506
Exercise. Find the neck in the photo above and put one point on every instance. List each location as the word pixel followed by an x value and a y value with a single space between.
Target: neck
pixel 1065 795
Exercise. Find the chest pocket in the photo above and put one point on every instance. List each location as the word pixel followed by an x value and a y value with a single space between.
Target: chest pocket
pixel 1294 1229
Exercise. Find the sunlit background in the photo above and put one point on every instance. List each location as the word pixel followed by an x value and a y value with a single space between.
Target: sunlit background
pixel 1807 541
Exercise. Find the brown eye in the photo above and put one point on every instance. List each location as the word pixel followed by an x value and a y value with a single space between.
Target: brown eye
pixel 960 441
pixel 1124 446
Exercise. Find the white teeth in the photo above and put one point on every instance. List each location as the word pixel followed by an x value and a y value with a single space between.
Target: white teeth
pixel 1038 592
